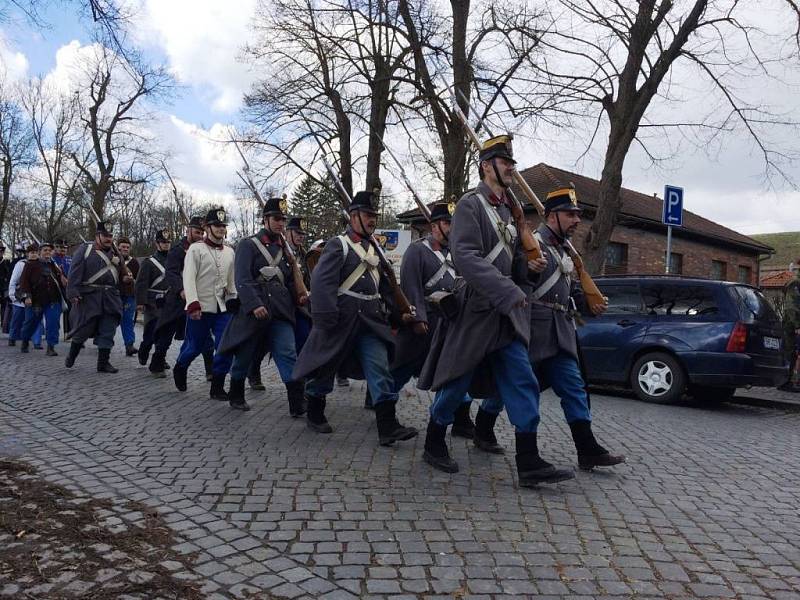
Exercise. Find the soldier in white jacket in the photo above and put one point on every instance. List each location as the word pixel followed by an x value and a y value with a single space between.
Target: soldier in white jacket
pixel 210 291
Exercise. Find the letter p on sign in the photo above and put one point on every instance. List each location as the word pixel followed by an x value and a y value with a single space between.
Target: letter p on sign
pixel 673 206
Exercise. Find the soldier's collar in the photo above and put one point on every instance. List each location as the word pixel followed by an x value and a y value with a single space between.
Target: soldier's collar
pixel 268 237
pixel 356 237
pixel 213 244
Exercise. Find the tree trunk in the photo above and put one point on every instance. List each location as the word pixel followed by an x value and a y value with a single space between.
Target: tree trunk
pixel 7 174
pixel 379 109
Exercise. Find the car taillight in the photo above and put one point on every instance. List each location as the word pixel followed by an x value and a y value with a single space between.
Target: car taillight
pixel 738 339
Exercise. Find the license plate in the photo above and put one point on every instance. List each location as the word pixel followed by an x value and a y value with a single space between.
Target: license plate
pixel 772 343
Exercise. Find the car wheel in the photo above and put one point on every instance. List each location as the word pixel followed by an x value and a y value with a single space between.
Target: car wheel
pixel 658 378
pixel 710 393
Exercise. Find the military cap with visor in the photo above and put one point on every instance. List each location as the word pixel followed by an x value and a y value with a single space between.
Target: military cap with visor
pixel 162 235
pixel 562 199
pixel 366 201
pixel 197 222
pixel 297 224
pixel 217 216
pixel 105 228
pixel 275 207
pixel 497 147
pixel 443 211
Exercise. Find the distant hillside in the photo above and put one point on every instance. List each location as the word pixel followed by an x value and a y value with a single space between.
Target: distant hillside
pixel 787 248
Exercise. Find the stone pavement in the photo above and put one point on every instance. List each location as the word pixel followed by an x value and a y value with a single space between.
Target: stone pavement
pixel 707 506
pixel 768 396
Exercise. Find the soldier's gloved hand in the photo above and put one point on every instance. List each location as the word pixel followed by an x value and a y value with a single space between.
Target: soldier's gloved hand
pixel 420 328
pixel 232 305
pixel 538 265
pixel 261 313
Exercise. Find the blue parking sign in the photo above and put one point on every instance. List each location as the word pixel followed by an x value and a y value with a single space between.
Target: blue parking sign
pixel 673 206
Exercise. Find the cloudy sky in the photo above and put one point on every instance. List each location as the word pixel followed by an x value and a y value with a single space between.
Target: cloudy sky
pixel 201 40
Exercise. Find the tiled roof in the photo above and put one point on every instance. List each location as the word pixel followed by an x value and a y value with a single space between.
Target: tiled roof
pixel 636 206
pixel 776 279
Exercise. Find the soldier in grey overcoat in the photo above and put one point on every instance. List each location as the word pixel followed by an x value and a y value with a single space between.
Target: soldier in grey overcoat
pixel 151 288
pixel 484 350
pixel 171 321
pixel 266 315
pixel 350 307
pixel 428 270
pixel 93 290
pixel 555 300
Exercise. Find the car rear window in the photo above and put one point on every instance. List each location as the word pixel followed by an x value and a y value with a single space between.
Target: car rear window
pixel 622 298
pixel 683 300
pixel 753 304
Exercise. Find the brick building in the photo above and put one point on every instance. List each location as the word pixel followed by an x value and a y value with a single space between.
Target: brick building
pixel 701 248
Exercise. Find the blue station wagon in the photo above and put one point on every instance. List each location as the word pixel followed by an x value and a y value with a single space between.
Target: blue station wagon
pixel 665 335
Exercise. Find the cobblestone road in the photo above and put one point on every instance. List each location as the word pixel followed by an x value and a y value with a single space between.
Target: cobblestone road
pixel 707 507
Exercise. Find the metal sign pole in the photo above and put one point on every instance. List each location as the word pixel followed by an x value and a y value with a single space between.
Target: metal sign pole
pixel 669 249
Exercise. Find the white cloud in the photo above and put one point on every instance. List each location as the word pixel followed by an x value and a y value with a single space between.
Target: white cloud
pixel 202 40
pixel 13 64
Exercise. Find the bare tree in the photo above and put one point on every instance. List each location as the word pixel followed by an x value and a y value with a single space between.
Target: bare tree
pixel 610 61
pixel 16 144
pixel 115 149
pixel 52 117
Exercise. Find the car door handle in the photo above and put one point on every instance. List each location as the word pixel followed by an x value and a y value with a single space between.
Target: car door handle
pixel 626 323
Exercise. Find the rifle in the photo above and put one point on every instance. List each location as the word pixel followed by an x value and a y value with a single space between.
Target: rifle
pixel 423 208
pixel 83 239
pixel 181 212
pixel 123 267
pixel 594 297
pixel 300 289
pixel 403 305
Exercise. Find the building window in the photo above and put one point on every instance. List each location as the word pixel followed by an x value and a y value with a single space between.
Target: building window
pixel 616 258
pixel 745 274
pixel 675 263
pixel 719 270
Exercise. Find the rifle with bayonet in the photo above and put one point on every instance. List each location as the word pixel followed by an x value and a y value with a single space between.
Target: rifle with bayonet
pixel 300 289
pixel 594 297
pixel 181 212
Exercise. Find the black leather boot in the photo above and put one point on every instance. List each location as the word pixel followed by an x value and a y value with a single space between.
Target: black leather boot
pixel 218 388
pixel 103 366
pixel 590 453
pixel 368 401
pixel 25 347
pixel 157 364
pixel 315 416
pixel 389 428
pixel 131 350
pixel 297 400
pixel 484 433
pixel 463 425
pixel 208 363
pixel 74 350
pixel 236 395
pixel 436 453
pixel 532 469
pixel 179 377
pixel 51 351
pixel 142 354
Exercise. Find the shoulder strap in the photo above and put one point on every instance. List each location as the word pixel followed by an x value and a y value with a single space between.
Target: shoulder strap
pixel 506 232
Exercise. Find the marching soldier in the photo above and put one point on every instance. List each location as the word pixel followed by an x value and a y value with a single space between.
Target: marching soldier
pixel 295 235
pixel 172 317
pixel 485 348
pixel 351 331
pixel 266 315
pixel 60 256
pixel 428 269
pixel 93 289
pixel 151 288
pixel 17 304
pixel 40 285
pixel 128 294
pixel 553 352
pixel 210 296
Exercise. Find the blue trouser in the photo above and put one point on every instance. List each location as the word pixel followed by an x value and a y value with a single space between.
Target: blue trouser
pixel 33 322
pixel 128 320
pixel 403 374
pixel 198 336
pixel 279 341
pixel 17 323
pixel 104 327
pixel 516 386
pixel 302 327
pixel 373 354
pixel 563 374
